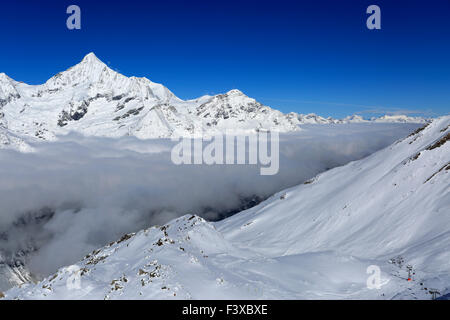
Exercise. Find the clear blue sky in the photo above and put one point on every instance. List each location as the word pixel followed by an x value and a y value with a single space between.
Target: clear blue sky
pixel 304 56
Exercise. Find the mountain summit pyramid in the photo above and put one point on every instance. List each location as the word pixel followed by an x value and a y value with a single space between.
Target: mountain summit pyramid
pixel 92 99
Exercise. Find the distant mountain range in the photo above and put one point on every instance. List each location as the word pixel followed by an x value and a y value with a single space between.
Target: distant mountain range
pixel 92 99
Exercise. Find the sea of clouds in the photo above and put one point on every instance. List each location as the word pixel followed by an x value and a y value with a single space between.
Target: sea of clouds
pixel 80 193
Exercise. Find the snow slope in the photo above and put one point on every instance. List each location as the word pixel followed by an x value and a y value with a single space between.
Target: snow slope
pixel 13 274
pixel 189 259
pixel 315 240
pixel 9 140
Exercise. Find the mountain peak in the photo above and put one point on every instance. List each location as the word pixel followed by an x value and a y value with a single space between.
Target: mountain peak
pixel 235 92
pixel 91 58
pixel 4 76
pixel 91 61
pixel 89 70
pixel 7 88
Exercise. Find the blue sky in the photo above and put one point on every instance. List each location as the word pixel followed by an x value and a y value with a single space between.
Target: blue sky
pixel 304 56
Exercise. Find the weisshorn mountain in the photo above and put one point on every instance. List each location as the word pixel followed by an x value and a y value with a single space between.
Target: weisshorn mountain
pixel 323 239
pixel 92 99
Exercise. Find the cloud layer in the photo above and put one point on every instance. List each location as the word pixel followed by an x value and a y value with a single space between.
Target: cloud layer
pixel 79 193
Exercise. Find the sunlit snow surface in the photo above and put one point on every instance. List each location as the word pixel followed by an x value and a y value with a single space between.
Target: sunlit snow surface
pixel 312 241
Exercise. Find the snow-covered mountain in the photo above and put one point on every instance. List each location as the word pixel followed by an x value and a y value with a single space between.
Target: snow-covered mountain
pixel 315 119
pixel 8 93
pixel 398 119
pixel 315 240
pixel 92 99
pixel 13 274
